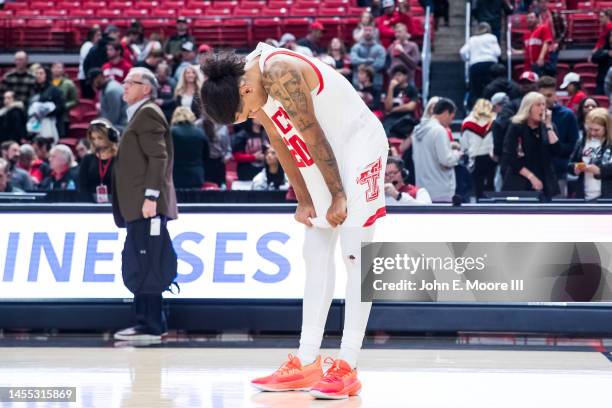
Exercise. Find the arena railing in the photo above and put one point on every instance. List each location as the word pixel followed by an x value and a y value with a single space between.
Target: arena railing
pixel 426 56
pixel 468 28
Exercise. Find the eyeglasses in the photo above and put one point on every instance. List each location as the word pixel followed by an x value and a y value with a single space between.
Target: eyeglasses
pixel 392 173
pixel 132 82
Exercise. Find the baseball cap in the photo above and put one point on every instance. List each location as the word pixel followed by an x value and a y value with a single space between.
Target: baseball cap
pixel 388 3
pixel 316 25
pixel 187 46
pixel 529 76
pixel 499 97
pixel 204 48
pixel 569 78
pixel 287 37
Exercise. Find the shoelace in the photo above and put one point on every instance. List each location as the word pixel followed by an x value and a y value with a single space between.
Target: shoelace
pixel 288 366
pixel 335 372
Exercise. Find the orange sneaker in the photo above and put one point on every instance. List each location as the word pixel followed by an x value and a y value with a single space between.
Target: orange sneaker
pixel 291 376
pixel 339 382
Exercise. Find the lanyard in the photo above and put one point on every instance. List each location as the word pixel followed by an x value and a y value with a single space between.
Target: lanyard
pixel 102 171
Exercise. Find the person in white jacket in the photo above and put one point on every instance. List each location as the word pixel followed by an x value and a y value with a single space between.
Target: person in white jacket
pixel 482 51
pixel 477 142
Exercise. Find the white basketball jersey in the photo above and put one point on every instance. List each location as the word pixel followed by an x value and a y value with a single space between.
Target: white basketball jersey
pixel 354 133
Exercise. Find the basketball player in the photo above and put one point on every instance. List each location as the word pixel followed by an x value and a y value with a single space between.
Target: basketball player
pixel 334 151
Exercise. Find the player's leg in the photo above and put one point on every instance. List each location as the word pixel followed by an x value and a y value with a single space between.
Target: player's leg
pixel 305 370
pixel 341 381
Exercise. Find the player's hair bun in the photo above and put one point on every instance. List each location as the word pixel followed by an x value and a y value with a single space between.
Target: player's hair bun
pixel 223 65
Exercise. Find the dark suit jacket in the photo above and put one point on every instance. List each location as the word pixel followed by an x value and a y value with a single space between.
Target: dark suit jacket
pixel 144 161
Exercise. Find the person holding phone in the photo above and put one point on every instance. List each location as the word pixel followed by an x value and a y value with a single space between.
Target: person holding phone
pixel 530 145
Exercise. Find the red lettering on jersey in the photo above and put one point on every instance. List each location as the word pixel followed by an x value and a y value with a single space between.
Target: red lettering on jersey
pixel 287 126
pixel 370 177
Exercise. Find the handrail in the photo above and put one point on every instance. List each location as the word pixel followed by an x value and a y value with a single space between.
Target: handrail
pixel 426 56
pixel 468 27
pixel 509 47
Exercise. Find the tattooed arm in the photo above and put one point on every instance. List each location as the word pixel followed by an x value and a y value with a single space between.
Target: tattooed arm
pixel 285 81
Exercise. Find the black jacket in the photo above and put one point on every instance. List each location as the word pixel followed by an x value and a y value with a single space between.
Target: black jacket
pixel 603 160
pixel 13 123
pixel 536 154
pixel 490 10
pixel 89 177
pixel 191 150
pixel 96 57
pixel 509 87
pixel 603 60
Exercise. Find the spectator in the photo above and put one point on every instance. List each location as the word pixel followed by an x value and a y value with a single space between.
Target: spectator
pixel 204 51
pixel 401 105
pixel 42 146
pixel 528 82
pixel 272 177
pixel 491 12
pixel 94 35
pixel 188 58
pixel 19 178
pixel 173 46
pixel 369 53
pixel 28 162
pixel 117 67
pixel 477 142
pixel 248 148
pixel 397 191
pixel 572 83
pixel 12 118
pixel 566 128
pixel 608 87
pixel 482 52
pixel 586 106
pixel 152 60
pixel 404 52
pixel 313 38
pixel 137 43
pixel 434 158
pixel 112 105
pixel 342 61
pixel 82 149
pixel 366 89
pixel 63 176
pixel 499 100
pixel 68 89
pixel 96 169
pixel 537 46
pixel 388 20
pixel 153 43
pixel 46 107
pixel 131 52
pixel 165 95
pixel 555 22
pixel 441 11
pixel 367 20
pixel 288 41
pixel 220 151
pixel 19 80
pixel 5 179
pixel 500 83
pixel 97 55
pixel 191 149
pixel 605 19
pixel 592 158
pixel 187 90
pixel 603 58
pixel 529 148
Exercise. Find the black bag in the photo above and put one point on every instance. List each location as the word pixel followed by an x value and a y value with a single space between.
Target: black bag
pixel 149 262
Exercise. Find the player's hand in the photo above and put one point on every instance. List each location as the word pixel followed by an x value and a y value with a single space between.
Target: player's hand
pixel 303 214
pixel 149 209
pixel 337 211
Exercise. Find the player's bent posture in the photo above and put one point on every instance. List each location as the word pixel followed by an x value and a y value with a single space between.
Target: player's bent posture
pixel 334 151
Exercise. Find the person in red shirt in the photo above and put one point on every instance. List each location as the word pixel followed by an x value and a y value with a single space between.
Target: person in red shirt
pixel 386 23
pixel 605 18
pixel 537 45
pixel 572 82
pixel 117 67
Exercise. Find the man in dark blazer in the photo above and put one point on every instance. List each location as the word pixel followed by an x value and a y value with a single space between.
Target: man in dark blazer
pixel 143 187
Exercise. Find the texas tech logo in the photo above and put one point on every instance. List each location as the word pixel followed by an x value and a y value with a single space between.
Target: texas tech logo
pixel 370 177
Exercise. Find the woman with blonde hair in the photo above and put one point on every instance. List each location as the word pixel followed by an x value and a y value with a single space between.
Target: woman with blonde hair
pixel 191 149
pixel 96 169
pixel 187 89
pixel 477 142
pixel 592 157
pixel 529 147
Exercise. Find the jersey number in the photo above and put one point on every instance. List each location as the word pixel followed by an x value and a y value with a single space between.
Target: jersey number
pixel 296 146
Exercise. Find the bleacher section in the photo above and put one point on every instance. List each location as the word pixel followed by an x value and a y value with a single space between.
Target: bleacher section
pixel 50 25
